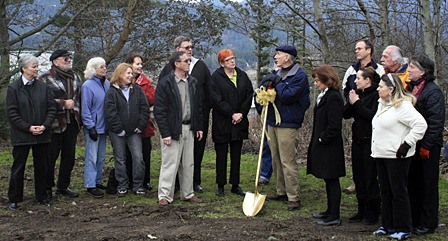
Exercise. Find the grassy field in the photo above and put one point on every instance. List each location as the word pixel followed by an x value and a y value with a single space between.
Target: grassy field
pixel 312 190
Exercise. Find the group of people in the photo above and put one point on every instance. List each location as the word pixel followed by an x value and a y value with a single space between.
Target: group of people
pixel 398 113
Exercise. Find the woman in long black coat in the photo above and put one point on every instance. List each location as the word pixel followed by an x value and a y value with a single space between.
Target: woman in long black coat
pixel 231 97
pixel 326 152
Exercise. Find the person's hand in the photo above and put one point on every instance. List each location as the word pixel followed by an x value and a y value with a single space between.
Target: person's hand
pixel 93 134
pixel 167 140
pixel 237 118
pixel 199 135
pixel 37 130
pixel 69 104
pixel 269 80
pixel 353 97
pixel 403 150
pixel 424 153
pixel 138 131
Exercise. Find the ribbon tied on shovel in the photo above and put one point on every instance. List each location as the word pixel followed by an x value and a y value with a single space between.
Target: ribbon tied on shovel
pixel 253 202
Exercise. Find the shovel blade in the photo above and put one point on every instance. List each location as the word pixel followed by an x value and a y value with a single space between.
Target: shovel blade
pixel 252 204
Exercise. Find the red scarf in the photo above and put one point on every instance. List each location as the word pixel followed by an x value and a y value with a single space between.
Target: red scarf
pixel 419 85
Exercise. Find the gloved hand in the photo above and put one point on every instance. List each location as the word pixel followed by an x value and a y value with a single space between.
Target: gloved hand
pixel 270 80
pixel 424 153
pixel 93 134
pixel 403 150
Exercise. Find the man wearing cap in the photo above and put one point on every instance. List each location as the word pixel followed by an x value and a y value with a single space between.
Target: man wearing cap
pixel 292 101
pixel 66 86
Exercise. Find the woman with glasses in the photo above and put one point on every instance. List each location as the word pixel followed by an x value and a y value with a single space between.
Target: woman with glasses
pixel 326 150
pixel 396 128
pixel 362 106
pixel 231 98
pixel 127 114
pixel 423 183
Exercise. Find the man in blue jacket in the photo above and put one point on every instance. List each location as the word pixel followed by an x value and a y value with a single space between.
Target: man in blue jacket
pixel 292 101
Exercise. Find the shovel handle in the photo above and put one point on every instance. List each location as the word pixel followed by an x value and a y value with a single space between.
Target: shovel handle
pixel 260 153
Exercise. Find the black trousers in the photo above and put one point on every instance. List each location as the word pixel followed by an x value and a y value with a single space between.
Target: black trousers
pixel 64 144
pixel 199 147
pixel 395 206
pixel 366 179
pixel 146 150
pixel 423 188
pixel 20 154
pixel 333 188
pixel 221 150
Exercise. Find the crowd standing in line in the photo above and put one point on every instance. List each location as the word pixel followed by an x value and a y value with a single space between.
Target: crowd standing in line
pixel 391 139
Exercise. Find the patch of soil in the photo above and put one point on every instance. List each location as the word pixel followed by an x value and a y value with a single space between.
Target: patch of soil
pixel 110 218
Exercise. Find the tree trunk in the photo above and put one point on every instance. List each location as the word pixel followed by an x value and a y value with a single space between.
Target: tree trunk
pixel 322 31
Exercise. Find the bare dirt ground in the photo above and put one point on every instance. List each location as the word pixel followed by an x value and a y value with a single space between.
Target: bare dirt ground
pixel 86 218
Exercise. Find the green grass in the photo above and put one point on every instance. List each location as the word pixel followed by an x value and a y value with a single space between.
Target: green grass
pixel 312 190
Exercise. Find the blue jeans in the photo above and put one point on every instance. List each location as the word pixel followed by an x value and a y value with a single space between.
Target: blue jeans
pixel 134 142
pixel 266 167
pixel 94 160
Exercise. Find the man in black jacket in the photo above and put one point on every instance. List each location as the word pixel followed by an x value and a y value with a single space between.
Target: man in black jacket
pixel 178 113
pixel 30 110
pixel 201 73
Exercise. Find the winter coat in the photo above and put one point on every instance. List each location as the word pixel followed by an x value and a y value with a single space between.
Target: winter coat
pixel 227 99
pixel 93 94
pixel 292 100
pixel 28 106
pixel 127 115
pixel 168 107
pixel 326 150
pixel 348 83
pixel 363 112
pixel 61 94
pixel 431 105
pixel 150 94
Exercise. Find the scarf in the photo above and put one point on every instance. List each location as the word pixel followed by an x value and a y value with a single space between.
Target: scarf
pixel 419 85
pixel 69 77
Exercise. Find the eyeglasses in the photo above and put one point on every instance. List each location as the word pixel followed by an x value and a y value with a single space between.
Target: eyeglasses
pixel 102 67
pixel 185 61
pixel 189 47
pixel 229 59
pixel 66 58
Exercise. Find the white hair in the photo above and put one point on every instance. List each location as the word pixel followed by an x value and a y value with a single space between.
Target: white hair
pixel 27 60
pixel 92 64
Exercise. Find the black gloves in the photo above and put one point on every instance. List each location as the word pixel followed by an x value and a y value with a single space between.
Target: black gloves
pixel 270 80
pixel 403 150
pixel 93 134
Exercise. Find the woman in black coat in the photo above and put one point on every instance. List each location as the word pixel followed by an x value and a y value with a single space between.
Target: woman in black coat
pixel 231 97
pixel 423 184
pixel 326 152
pixel 362 106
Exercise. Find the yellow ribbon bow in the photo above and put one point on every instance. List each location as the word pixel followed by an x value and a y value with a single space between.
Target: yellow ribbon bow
pixel 264 97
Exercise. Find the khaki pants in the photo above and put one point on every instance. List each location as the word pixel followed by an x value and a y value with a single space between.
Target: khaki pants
pixel 283 143
pixel 177 158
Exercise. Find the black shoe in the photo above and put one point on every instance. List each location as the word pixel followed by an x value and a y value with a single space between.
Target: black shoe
pixel 198 188
pixel 329 222
pixel 263 182
pixel 322 215
pixel 357 218
pixel 293 205
pixel 100 186
pixel 369 220
pixel 148 186
pixel 423 230
pixel 13 206
pixel 277 197
pixel 238 191
pixel 95 192
pixel 220 192
pixel 67 192
pixel 44 202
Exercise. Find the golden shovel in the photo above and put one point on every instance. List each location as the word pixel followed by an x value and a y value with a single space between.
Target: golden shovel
pixel 253 202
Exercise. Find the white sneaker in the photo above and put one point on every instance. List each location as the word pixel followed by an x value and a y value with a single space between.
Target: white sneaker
pixel 400 235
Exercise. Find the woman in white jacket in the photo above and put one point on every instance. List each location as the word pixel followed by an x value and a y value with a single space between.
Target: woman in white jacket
pixel 396 128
